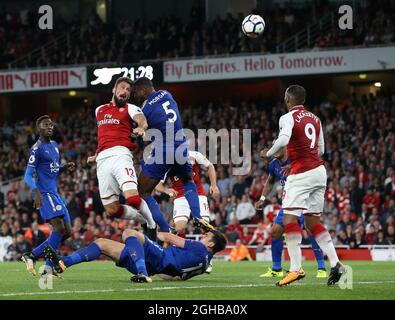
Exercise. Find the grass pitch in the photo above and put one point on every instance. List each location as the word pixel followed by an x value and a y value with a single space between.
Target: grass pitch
pixel 228 281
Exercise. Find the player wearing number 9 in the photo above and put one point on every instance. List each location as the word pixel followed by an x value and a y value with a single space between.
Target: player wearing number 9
pixel 170 150
pixel 301 131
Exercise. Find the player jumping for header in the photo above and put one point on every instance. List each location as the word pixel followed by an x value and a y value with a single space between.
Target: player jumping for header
pixel 169 156
pixel 276 168
pixel 42 172
pixel 301 131
pixel 115 168
pixel 142 257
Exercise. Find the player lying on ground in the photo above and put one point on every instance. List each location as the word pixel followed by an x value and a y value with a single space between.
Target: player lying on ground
pixel 276 168
pixel 143 258
pixel 114 158
pixel 42 172
pixel 301 131
pixel 162 114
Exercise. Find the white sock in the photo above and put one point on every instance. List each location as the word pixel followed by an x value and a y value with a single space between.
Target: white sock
pixel 131 213
pixel 146 213
pixel 294 240
pixel 324 240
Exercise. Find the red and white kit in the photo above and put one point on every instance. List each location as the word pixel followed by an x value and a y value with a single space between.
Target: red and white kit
pixel 305 186
pixel 115 169
pixel 181 209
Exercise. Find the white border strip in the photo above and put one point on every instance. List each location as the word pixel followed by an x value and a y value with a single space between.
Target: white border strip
pixel 15 294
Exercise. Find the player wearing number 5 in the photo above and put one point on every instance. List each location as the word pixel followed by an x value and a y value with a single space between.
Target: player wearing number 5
pixel 301 132
pixel 169 155
pixel 115 169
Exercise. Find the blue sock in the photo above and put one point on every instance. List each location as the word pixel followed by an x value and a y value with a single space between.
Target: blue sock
pixel 54 240
pixel 136 251
pixel 192 197
pixel 49 264
pixel 277 252
pixel 157 215
pixel 89 253
pixel 319 256
pixel 38 251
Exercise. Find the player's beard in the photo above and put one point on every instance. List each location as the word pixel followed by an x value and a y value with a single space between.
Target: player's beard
pixel 118 102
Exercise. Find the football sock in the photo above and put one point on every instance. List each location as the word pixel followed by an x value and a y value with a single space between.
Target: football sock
pixel 85 254
pixel 324 240
pixel 128 212
pixel 192 197
pixel 294 239
pixel 38 251
pixel 146 213
pixel 319 255
pixel 277 252
pixel 54 240
pixel 136 251
pixel 157 214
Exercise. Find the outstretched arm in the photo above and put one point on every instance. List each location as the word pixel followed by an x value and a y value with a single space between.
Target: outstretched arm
pixel 286 125
pixel 160 187
pixel 212 175
pixel 265 192
pixel 142 124
pixel 171 238
pixel 281 142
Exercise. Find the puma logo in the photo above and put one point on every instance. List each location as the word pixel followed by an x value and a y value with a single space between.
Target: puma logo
pixel 23 80
pixel 75 74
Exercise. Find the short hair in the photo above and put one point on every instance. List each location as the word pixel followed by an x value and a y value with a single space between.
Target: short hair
pixel 124 79
pixel 38 121
pixel 219 241
pixel 298 93
pixel 144 82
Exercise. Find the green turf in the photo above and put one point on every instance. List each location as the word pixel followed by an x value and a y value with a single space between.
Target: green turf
pixel 102 280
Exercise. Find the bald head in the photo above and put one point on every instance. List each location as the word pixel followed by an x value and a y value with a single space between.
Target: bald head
pixel 295 95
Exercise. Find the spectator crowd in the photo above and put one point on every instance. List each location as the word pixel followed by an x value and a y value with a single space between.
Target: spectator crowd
pixel 360 198
pixel 125 41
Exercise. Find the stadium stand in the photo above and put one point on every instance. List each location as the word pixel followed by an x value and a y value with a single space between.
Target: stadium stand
pixel 360 202
pixel 92 41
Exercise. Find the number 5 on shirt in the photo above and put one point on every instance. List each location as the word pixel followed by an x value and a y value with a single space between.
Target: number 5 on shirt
pixel 169 111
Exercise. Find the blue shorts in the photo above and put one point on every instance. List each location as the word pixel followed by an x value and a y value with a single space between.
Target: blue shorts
pixel 155 256
pixel 280 216
pixel 53 206
pixel 158 171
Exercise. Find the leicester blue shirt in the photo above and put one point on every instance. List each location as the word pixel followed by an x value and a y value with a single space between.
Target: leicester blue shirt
pixel 162 113
pixel 275 168
pixel 45 159
pixel 186 262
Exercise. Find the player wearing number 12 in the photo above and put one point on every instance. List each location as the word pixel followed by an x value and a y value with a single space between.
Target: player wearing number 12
pixel 301 131
pixel 115 169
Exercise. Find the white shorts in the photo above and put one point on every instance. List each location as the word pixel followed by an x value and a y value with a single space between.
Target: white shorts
pixel 115 174
pixel 304 192
pixel 182 212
